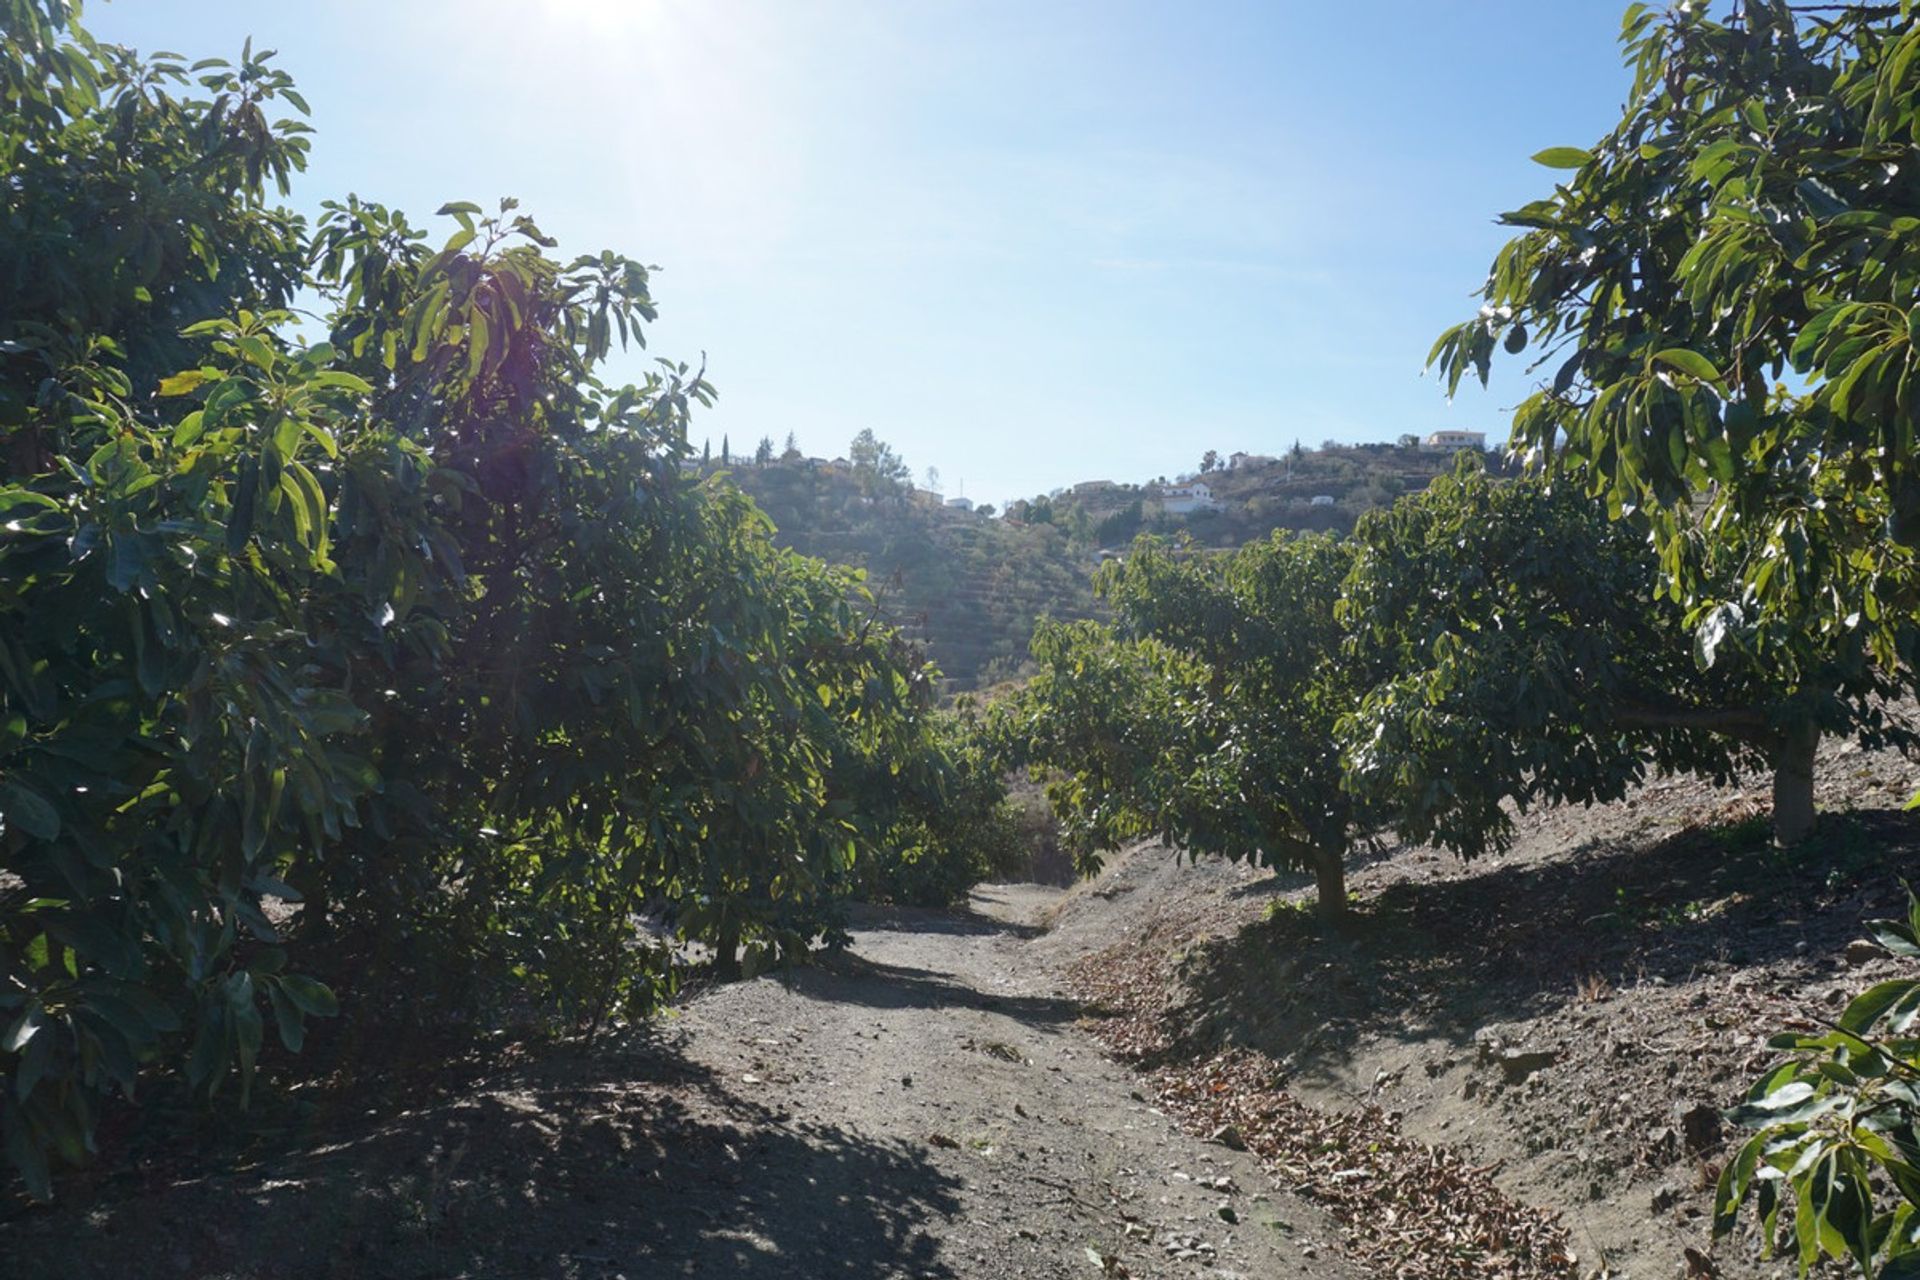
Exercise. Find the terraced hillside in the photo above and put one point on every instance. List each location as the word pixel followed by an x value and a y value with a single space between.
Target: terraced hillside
pixel 971 587
pixel 1314 490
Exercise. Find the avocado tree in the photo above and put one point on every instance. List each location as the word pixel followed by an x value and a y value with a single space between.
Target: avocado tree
pixel 1513 645
pixel 1206 714
pixel 947 823
pixel 402 652
pixel 168 727
pixel 1722 296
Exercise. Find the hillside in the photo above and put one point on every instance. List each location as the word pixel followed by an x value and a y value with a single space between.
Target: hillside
pixel 1228 503
pixel 971 583
pixel 969 586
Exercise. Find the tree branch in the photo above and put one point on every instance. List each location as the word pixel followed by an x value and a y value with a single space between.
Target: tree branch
pixel 1746 723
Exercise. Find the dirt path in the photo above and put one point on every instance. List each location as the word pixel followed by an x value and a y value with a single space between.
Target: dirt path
pixel 921 1106
pixel 939 1038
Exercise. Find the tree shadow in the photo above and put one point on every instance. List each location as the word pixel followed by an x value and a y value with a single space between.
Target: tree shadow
pixel 854 979
pixel 613 1161
pixel 1280 880
pixel 952 921
pixel 1505 940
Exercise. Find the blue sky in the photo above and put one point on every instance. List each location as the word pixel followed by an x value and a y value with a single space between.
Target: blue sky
pixel 1028 242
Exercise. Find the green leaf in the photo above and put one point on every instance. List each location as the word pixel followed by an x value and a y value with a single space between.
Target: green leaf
pixel 343 379
pixel 26 809
pixel 181 384
pixel 1867 1008
pixel 1562 157
pixel 309 995
pixel 33 1065
pixel 288 1020
pixel 190 429
pixel 257 351
pixel 1691 363
pixel 477 336
pixel 24 1028
pixel 246 493
pixel 1896 936
pixel 29 1158
pixel 1711 634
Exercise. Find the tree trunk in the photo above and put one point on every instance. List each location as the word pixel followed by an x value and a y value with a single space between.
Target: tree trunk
pixel 1793 811
pixel 1330 877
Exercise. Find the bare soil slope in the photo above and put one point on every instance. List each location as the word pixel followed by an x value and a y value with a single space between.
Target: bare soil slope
pixel 1566 1020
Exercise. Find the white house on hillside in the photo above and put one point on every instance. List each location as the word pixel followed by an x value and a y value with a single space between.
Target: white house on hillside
pixel 1456 440
pixel 961 503
pixel 1179 499
pixel 1241 461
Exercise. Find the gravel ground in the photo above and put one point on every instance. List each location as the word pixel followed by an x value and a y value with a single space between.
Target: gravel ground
pixel 1036 1156
pixel 920 1106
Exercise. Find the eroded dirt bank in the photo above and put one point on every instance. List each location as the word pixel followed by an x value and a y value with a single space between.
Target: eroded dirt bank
pixel 1564 1022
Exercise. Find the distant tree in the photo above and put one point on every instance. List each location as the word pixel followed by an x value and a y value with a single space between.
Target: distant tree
pixel 985 510
pixel 706 453
pixel 933 479
pixel 726 452
pixel 1121 525
pixel 1496 677
pixel 792 452
pixel 763 453
pixel 1209 460
pixel 876 461
pixel 1206 714
pixel 1297 451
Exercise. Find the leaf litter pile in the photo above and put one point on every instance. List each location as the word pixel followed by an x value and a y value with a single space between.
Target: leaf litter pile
pixel 1407 1209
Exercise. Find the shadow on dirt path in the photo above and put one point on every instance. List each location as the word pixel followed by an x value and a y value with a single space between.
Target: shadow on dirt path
pixel 876 984
pixel 619 1161
pixel 949 1033
pixel 921 1105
